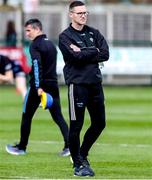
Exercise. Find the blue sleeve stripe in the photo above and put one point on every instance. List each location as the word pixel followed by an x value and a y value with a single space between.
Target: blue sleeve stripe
pixel 25 100
pixel 36 73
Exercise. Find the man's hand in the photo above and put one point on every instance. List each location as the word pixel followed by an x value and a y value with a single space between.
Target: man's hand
pixel 75 48
pixel 39 91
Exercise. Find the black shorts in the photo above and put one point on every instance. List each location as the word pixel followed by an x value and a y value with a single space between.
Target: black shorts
pixel 17 70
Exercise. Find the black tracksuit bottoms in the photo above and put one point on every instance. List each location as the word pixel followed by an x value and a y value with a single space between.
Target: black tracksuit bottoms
pixel 83 96
pixel 31 103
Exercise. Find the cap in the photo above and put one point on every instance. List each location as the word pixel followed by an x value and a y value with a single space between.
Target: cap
pixel 46 100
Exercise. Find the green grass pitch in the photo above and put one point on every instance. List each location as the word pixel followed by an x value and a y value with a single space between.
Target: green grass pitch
pixel 123 151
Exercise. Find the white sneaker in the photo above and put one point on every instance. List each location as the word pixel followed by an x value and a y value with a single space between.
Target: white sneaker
pixel 14 150
pixel 65 152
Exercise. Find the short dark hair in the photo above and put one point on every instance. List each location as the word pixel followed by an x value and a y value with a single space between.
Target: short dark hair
pixel 75 3
pixel 35 23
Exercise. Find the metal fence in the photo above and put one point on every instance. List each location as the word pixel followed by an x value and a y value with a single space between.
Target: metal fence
pixel 122 25
pixel 127 28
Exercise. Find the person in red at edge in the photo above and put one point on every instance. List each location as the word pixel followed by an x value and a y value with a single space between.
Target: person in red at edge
pixel 6 73
pixel 11 72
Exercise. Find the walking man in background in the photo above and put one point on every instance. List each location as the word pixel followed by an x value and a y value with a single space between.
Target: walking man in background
pixel 83 48
pixel 43 79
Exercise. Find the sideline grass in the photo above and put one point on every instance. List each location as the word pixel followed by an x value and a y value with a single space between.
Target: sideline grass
pixel 123 151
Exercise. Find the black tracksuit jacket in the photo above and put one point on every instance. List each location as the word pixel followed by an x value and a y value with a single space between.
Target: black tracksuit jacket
pixel 83 67
pixel 43 54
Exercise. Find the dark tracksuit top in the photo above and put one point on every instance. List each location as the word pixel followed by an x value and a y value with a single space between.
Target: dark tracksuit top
pixel 82 67
pixel 43 75
pixel 43 54
pixel 83 77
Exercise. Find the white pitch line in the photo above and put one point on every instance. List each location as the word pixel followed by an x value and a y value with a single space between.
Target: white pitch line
pixel 97 144
pixel 36 178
